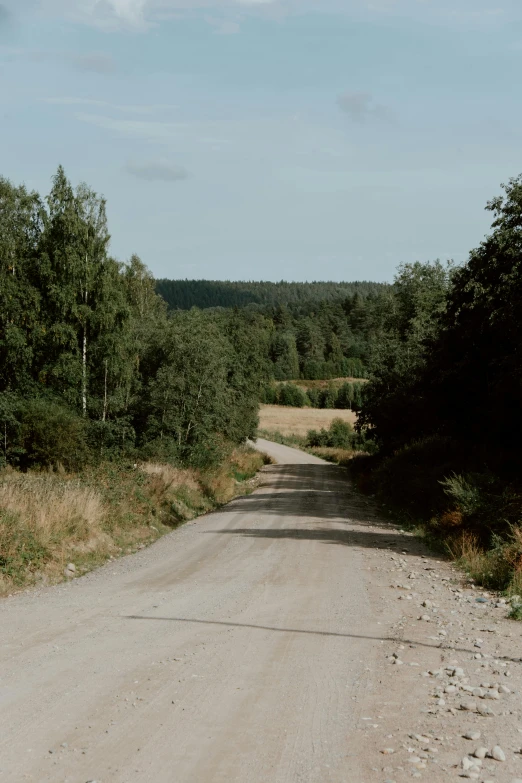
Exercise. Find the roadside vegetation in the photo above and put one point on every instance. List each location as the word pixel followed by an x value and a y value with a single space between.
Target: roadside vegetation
pixel 96 378
pixel 49 520
pixel 341 394
pixel 443 404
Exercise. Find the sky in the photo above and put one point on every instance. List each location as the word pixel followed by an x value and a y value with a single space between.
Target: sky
pixel 269 139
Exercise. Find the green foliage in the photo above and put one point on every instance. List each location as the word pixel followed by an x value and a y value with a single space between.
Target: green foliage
pixel 515 612
pixel 90 363
pixel 284 356
pixel 314 397
pixel 51 435
pixel 405 325
pixel 319 331
pixel 269 394
pixel 340 435
pixel 450 351
pixel 464 492
pixel 328 398
pixel 185 294
pixel 25 551
pixel 350 396
pixel 294 441
pixel 347 396
pixel 411 478
pixel 291 395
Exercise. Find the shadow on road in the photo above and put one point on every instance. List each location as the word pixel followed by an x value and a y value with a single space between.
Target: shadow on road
pixel 306 490
pixel 324 535
pixel 228 624
pixel 321 492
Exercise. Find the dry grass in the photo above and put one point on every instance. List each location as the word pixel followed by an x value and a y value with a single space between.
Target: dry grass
pixel 49 520
pixel 465 548
pixel 498 568
pixel 244 463
pixel 171 477
pixel 52 506
pixel 44 519
pixel 297 421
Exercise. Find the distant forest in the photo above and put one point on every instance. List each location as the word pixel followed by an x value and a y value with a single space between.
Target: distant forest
pixel 185 294
pixel 318 330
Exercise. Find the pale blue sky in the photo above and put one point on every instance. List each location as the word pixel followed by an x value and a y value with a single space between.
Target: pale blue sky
pixel 295 139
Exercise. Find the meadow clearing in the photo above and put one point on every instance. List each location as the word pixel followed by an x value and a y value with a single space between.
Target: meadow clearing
pixel 297 421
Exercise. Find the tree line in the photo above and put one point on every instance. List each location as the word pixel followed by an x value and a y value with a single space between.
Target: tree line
pixel 186 294
pixel 444 399
pixel 319 331
pixel 347 396
pixel 91 363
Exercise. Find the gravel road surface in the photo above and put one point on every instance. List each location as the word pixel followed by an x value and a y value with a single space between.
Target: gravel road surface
pixel 254 645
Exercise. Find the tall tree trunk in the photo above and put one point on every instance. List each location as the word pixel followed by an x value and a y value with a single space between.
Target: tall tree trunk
pixel 84 371
pixel 84 351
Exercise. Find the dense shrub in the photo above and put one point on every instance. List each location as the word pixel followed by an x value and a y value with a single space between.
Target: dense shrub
pixel 50 435
pixel 410 479
pixel 340 435
pixel 314 397
pixel 328 397
pixel 324 371
pixel 269 395
pixel 291 395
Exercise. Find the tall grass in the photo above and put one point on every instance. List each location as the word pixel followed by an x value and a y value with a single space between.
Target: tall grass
pixel 43 520
pixel 48 520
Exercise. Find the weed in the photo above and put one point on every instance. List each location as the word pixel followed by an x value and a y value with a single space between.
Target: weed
pixel 516 612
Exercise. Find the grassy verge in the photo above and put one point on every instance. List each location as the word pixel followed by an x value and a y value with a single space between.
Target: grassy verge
pixel 460 508
pixel 48 520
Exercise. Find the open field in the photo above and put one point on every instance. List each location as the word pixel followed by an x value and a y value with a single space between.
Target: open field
pixel 297 421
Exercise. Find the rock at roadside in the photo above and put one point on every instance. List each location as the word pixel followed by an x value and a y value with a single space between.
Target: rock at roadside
pixel 498 754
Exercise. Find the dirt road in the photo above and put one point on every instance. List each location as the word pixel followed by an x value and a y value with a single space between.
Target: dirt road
pixel 247 646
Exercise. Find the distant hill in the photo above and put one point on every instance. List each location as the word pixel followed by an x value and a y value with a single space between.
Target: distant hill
pixel 184 294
